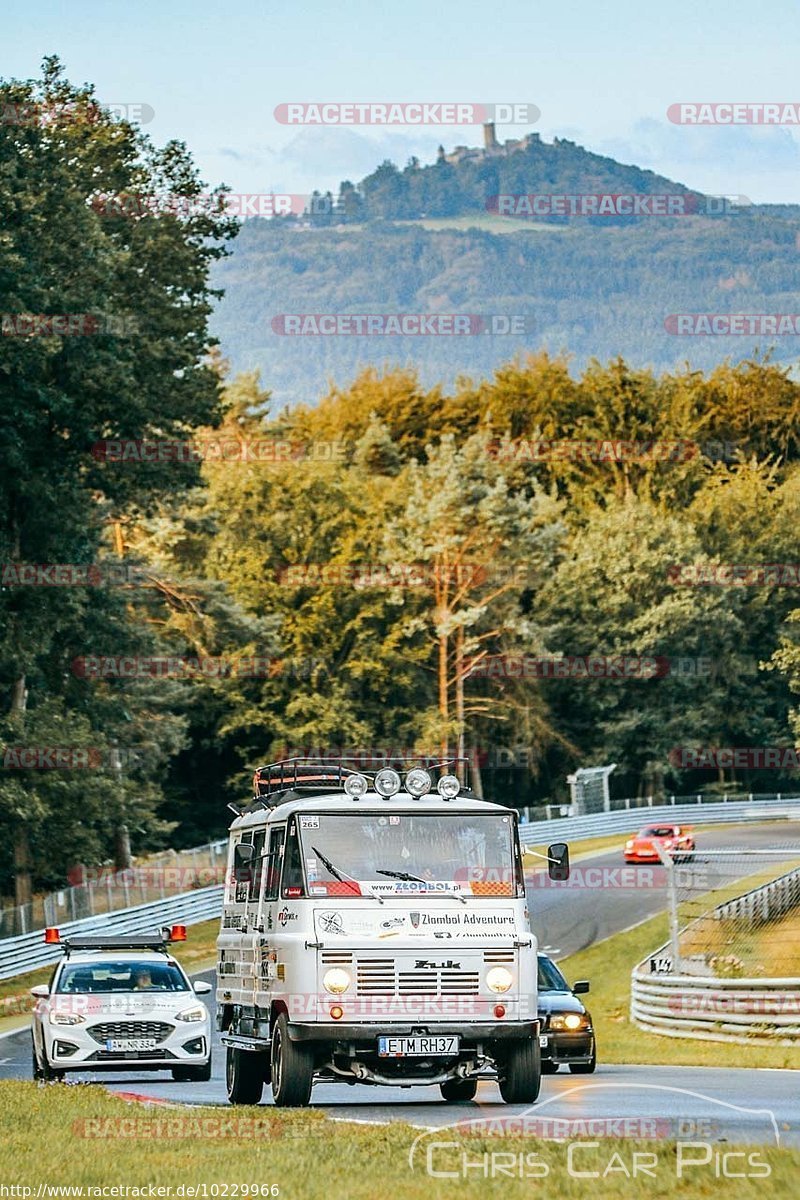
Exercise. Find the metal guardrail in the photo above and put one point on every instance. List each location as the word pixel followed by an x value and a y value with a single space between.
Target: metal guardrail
pixel 29 950
pixel 746 1011
pixel 169 873
pixel 702 813
pixel 765 903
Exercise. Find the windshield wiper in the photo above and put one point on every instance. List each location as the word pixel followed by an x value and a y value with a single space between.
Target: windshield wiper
pixel 406 877
pixel 345 877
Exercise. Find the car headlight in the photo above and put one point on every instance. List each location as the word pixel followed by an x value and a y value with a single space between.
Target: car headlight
pixel 570 1021
pixel 197 1012
pixel 336 980
pixel 629 844
pixel 60 1016
pixel 499 979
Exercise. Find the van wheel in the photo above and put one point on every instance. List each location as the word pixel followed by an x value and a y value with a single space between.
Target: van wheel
pixel 244 1075
pixel 292 1068
pixel 458 1091
pixel 520 1072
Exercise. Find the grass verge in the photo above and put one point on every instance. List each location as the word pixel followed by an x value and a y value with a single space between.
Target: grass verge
pixel 608 964
pixel 305 1156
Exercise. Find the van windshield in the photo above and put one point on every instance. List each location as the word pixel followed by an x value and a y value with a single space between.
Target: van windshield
pixel 402 853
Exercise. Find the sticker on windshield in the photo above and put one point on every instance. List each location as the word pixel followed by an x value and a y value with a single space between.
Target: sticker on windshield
pixel 309 822
pixel 394 819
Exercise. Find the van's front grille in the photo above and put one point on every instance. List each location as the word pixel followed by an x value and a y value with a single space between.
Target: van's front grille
pixel 390 977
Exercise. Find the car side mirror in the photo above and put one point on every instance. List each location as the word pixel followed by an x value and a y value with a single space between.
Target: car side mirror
pixel 242 859
pixel 41 991
pixel 558 861
pixel 581 987
pixel 202 987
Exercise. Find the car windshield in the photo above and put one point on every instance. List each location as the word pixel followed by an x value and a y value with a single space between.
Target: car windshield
pixel 658 831
pixel 402 853
pixel 109 976
pixel 550 978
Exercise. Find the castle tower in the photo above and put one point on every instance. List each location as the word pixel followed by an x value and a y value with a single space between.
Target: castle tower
pixel 490 141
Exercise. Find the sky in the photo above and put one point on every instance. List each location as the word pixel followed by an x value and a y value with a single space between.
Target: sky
pixel 601 74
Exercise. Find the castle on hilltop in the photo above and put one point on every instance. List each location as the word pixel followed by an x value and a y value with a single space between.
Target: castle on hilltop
pixel 494 149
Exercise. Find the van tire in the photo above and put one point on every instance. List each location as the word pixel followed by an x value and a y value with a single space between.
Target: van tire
pixel 244 1075
pixel 519 1072
pixel 292 1068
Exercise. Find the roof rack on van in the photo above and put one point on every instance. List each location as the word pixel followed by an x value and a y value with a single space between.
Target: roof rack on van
pixel 310 774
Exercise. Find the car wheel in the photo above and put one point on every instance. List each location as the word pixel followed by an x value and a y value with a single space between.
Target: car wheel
pixel 458 1091
pixel 200 1074
pixel 292 1068
pixel 584 1068
pixel 244 1075
pixel 549 1067
pixel 38 1073
pixel 520 1072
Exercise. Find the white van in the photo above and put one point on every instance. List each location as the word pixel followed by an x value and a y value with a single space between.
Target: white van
pixel 375 930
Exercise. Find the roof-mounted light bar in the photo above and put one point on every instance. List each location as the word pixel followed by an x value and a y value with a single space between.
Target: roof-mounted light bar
pixel 387 783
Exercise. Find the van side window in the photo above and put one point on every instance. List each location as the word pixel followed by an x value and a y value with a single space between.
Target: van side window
pixel 243 881
pixel 273 862
pixel 292 867
pixel 258 864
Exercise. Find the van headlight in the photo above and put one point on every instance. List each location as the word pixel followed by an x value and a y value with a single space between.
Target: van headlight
pixel 60 1016
pixel 336 980
pixel 499 979
pixel 196 1013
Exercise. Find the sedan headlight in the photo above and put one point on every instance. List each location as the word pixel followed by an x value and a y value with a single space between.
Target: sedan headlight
pixel 499 979
pixel 60 1016
pixel 570 1021
pixel 198 1012
pixel 629 844
pixel 336 980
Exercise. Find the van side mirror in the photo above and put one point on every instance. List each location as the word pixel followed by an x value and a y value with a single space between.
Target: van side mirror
pixel 242 860
pixel 558 861
pixel 581 987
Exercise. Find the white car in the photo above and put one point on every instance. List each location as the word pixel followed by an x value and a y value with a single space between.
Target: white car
pixel 120 1003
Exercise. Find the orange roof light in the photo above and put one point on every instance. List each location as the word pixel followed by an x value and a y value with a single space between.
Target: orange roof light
pixel 52 936
pixel 178 933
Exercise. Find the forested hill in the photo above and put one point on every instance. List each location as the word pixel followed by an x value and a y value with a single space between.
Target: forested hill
pixel 422 240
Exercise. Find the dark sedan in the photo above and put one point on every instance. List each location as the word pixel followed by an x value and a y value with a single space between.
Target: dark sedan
pixel 567 1035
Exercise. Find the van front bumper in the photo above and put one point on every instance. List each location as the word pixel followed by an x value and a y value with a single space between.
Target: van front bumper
pixel 332 1031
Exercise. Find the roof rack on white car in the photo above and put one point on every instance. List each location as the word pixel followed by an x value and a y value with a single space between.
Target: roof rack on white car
pixel 290 778
pixel 128 941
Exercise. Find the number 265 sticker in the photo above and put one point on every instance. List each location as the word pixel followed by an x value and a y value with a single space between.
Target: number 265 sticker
pixel 309 822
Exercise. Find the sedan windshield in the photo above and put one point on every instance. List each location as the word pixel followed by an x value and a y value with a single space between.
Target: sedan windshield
pixel 410 853
pixel 82 978
pixel 659 831
pixel 550 978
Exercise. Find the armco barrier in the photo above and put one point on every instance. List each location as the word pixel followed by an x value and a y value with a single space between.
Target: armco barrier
pixel 766 1011
pixel 761 1011
pixel 628 821
pixel 29 951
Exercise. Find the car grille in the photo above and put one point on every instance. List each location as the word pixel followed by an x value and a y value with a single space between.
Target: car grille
pixel 131 1029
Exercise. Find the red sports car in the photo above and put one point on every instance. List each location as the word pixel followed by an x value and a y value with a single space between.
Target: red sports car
pixel 677 840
